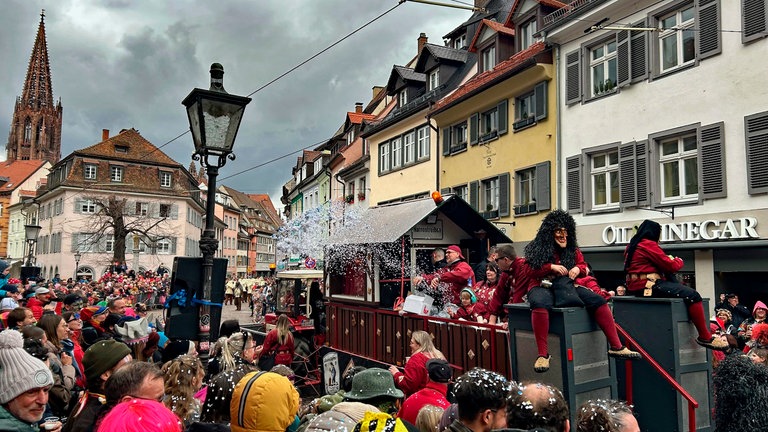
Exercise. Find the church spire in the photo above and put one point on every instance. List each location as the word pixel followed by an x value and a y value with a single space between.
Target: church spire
pixel 37 91
pixel 36 125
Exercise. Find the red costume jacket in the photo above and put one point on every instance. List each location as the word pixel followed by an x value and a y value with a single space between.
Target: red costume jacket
pixel 415 376
pixel 283 353
pixel 471 312
pixel 649 258
pixel 454 277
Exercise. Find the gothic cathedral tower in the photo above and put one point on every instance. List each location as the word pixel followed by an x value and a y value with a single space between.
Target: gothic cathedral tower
pixel 36 124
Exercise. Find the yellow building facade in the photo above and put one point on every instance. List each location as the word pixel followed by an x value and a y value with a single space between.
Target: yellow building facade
pixel 497 142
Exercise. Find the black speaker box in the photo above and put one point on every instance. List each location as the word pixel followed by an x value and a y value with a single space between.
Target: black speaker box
pixel 29 272
pixel 181 322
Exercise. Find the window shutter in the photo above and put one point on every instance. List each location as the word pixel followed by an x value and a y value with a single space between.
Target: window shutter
pixel 756 132
pixel 543 189
pixel 173 246
pixel 474 194
pixel 75 241
pixel 446 141
pixel 102 246
pixel 540 100
pixel 174 211
pixel 503 114
pixel 627 176
pixel 474 123
pixel 638 52
pixel 573 183
pixel 504 197
pixel 572 78
pixel 753 20
pixel 78 205
pixel 624 68
pixel 641 172
pixel 709 40
pixel 712 160
pixel 154 210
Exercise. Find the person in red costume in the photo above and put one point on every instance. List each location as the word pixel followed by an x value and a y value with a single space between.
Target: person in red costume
pixel 553 254
pixel 452 278
pixel 434 393
pixel 650 273
pixel 415 376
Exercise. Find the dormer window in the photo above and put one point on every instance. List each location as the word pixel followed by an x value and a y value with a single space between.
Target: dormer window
pixel 460 41
pixel 526 34
pixel 434 80
pixel 89 171
pixel 121 149
pixel 116 173
pixel 488 58
pixel 350 136
pixel 402 98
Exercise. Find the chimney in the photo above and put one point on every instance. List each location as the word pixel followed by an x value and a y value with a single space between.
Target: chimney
pixel 358 107
pixel 423 38
pixel 104 134
pixel 377 90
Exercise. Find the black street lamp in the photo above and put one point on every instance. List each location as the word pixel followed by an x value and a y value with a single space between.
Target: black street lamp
pixel 78 255
pixel 214 118
pixel 31 232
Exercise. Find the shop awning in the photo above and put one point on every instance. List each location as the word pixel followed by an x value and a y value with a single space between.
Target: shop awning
pixel 387 223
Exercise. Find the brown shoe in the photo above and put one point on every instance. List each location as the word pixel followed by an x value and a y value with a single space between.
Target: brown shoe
pixel 716 343
pixel 542 364
pixel 624 353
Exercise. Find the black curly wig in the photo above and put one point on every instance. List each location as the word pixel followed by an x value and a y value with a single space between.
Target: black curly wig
pixel 740 395
pixel 541 249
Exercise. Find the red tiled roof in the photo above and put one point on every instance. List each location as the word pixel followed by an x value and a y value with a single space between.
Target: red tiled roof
pixel 138 148
pixel 17 171
pixel 357 118
pixel 486 77
pixel 553 3
pixel 495 25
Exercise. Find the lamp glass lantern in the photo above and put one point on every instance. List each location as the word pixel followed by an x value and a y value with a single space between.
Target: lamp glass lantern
pixel 31 232
pixel 214 115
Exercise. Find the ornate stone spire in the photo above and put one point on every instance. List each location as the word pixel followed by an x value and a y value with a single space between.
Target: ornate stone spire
pixel 37 91
pixel 36 125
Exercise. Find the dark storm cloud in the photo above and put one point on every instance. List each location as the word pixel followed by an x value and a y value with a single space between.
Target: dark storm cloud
pixel 121 64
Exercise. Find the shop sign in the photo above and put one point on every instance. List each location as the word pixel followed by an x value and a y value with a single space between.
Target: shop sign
pixel 708 230
pixel 427 231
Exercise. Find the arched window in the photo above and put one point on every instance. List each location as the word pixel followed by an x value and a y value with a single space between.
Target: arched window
pixel 27 131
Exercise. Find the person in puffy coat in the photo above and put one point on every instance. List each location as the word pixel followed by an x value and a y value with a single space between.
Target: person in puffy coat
pixel 263 401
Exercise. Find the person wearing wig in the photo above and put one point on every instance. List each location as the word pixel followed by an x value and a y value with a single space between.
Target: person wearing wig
pixel 551 254
pixel 650 273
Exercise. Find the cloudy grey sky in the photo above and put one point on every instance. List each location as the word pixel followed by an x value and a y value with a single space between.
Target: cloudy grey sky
pixel 119 64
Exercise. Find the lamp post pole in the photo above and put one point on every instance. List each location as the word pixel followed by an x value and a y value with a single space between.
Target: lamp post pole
pixel 78 255
pixel 31 232
pixel 214 119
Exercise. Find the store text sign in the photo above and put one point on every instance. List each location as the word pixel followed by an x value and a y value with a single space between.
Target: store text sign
pixel 711 229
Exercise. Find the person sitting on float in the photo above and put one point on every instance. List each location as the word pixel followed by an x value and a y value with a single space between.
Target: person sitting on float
pixel 650 273
pixel 470 309
pixel 554 255
pixel 450 279
pixel 485 289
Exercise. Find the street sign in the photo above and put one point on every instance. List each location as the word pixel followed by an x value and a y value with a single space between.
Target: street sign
pixel 310 263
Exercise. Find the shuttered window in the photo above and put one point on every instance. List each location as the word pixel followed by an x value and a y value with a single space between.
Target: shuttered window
pixel 756 133
pixel 531 107
pixel 753 20
pixel 688 33
pixel 533 189
pixel 689 164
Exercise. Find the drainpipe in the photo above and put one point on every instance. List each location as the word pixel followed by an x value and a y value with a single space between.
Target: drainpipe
pixel 558 132
pixel 437 153
pixel 343 198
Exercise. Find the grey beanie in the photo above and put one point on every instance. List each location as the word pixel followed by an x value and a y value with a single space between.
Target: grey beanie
pixel 19 371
